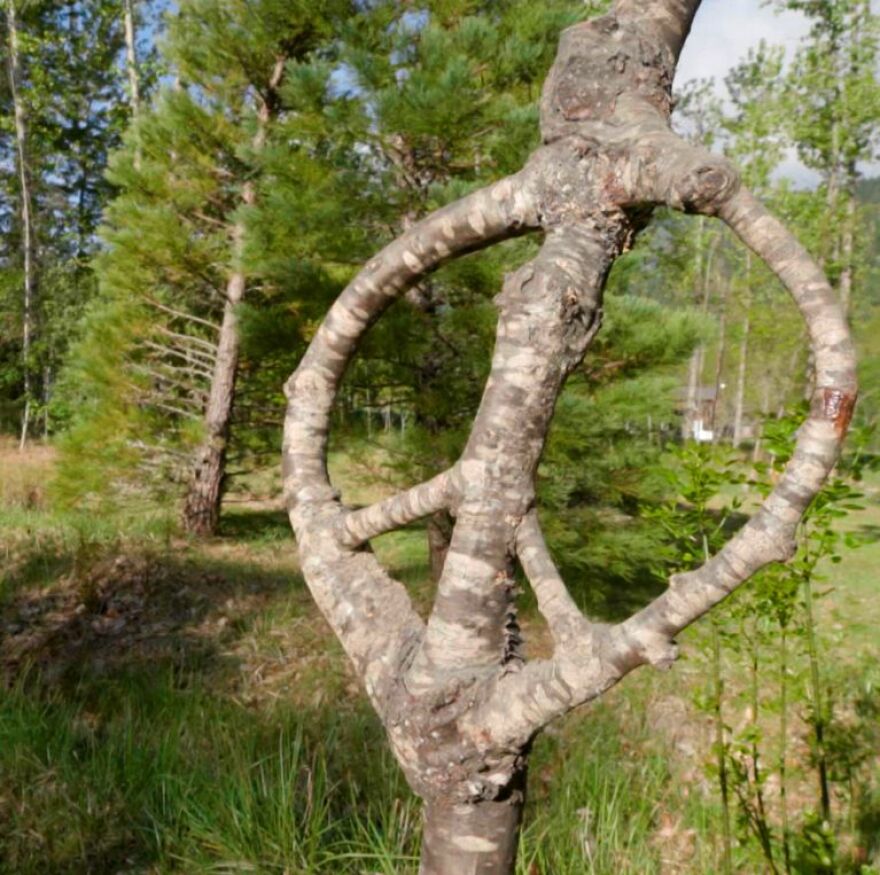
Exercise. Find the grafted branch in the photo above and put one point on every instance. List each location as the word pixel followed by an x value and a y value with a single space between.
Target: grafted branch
pixel 398 510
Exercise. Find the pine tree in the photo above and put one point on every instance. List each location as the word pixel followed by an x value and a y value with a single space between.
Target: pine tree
pixel 175 271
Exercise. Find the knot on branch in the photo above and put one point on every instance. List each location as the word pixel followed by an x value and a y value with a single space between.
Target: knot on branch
pixel 706 187
pixel 657 650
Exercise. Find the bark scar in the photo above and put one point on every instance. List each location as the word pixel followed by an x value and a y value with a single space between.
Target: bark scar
pixel 838 406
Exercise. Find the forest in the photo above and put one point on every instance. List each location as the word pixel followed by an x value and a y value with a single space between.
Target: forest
pixel 186 188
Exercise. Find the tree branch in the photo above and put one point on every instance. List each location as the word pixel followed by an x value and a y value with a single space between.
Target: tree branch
pixel 669 19
pixel 770 534
pixel 351 588
pixel 582 669
pixel 554 600
pixel 398 510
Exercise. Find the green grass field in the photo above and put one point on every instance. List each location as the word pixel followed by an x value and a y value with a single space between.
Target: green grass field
pixel 169 707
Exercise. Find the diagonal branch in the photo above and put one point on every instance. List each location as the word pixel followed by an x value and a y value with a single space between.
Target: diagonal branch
pixel 398 510
pixel 554 600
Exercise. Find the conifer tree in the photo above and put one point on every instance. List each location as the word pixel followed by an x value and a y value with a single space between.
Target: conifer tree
pixel 160 388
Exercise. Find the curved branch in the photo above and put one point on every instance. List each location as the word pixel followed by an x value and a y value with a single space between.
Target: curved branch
pixel 770 534
pixel 584 668
pixel 398 510
pixel 487 216
pixel 352 590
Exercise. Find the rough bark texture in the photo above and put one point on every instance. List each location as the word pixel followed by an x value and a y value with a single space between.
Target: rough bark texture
pixel 28 243
pixel 201 507
pixel 459 702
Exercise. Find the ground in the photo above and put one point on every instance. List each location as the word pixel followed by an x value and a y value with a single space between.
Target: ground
pixel 175 707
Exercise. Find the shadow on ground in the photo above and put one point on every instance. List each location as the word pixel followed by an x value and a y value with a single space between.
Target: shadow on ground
pixel 113 607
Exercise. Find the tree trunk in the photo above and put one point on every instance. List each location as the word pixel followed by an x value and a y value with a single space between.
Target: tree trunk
pixel 457 697
pixel 742 367
pixel 693 403
pixel 695 366
pixel 27 218
pixel 720 355
pixel 131 62
pixel 471 839
pixel 201 507
pixel 847 245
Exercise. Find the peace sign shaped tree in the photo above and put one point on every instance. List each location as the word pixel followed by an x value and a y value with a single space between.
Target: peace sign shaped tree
pixel 458 701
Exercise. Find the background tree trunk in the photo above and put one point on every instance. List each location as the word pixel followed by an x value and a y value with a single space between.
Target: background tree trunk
pixel 27 217
pixel 201 507
pixel 742 366
pixel 131 62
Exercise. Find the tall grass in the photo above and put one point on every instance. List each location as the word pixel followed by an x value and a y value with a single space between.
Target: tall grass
pixel 151 772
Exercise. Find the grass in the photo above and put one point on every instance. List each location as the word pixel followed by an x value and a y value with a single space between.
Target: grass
pixel 180 708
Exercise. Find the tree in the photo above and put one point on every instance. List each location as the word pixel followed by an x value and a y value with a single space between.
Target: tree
pixel 158 367
pixel 68 93
pixel 835 100
pixel 459 703
pixel 28 244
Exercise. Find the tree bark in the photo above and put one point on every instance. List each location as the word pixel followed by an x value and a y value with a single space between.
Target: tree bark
pixel 468 839
pixel 131 62
pixel 439 532
pixel 27 218
pixel 742 366
pixel 201 507
pixel 458 700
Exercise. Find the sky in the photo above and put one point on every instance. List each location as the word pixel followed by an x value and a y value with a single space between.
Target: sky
pixel 724 31
pixel 721 36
